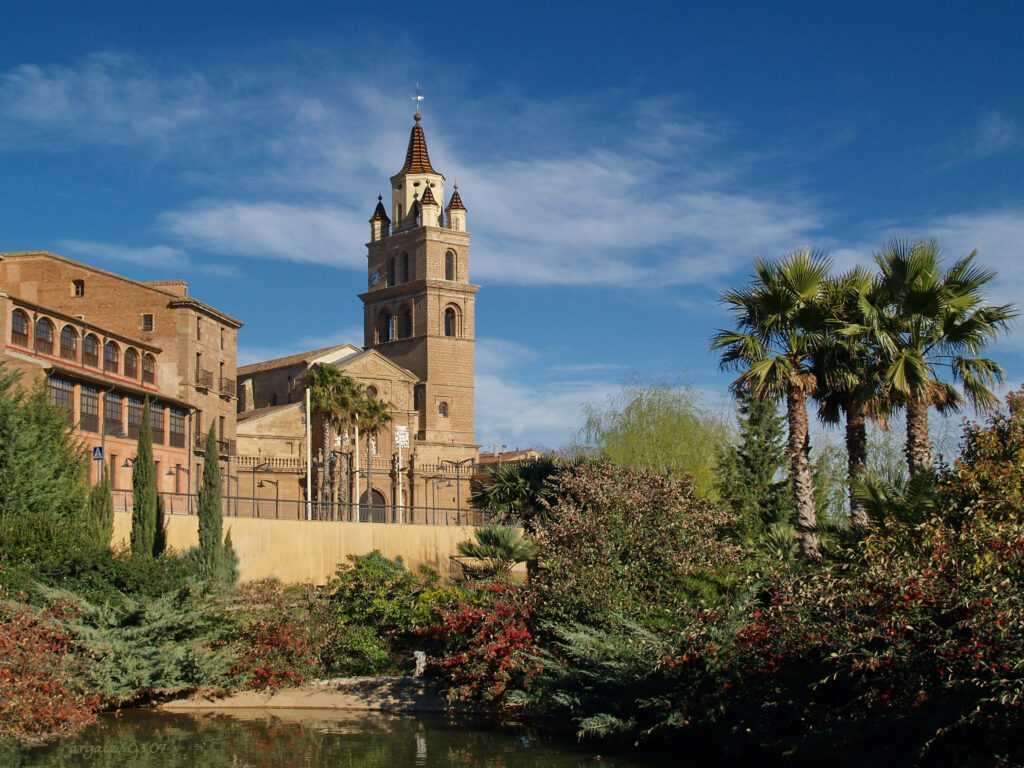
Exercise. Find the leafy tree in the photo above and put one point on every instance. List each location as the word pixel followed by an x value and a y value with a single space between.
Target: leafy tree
pixel 144 494
pixel 497 548
pixel 101 511
pixel 920 320
pixel 43 490
pixel 661 427
pixel 751 476
pixel 782 320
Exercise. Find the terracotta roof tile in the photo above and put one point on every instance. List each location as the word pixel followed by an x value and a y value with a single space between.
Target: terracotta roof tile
pixel 455 202
pixel 379 214
pixel 416 158
pixel 284 362
pixel 428 198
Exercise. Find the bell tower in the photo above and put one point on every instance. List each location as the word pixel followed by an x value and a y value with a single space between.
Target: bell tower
pixel 419 304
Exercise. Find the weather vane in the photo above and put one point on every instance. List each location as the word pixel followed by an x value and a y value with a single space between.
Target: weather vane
pixel 417 98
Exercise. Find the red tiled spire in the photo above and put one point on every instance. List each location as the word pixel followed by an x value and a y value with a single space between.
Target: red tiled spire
pixel 455 203
pixel 379 214
pixel 428 198
pixel 416 158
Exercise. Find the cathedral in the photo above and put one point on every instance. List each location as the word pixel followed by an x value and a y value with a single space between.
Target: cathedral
pixel 417 357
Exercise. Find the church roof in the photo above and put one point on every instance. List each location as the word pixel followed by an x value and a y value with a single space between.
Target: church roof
pixel 456 201
pixel 428 198
pixel 379 214
pixel 416 158
pixel 290 360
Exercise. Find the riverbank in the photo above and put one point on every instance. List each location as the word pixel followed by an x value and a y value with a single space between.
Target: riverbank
pixel 375 694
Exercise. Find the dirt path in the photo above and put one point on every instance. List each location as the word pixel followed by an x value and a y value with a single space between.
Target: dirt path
pixel 385 694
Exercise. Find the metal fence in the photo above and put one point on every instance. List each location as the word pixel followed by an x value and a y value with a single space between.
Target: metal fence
pixel 298 509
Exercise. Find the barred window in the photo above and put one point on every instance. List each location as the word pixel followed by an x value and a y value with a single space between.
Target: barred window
pixel 68 343
pixel 131 363
pixel 91 351
pixel 147 322
pixel 148 369
pixel 134 416
pixel 177 428
pixel 19 328
pixel 112 411
pixel 90 409
pixel 62 394
pixel 44 336
pixel 156 421
pixel 110 357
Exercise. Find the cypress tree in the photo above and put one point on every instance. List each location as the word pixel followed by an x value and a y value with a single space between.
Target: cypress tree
pixel 160 531
pixel 144 491
pixel 752 476
pixel 101 511
pixel 209 509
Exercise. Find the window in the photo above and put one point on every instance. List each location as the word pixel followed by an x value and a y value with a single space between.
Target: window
pixel 78 287
pixel 134 417
pixel 91 351
pixel 111 412
pixel 404 324
pixel 90 409
pixel 384 327
pixel 177 429
pixel 449 265
pixel 391 271
pixel 62 394
pixel 442 410
pixel 156 422
pixel 199 329
pixel 222 338
pixel 44 336
pixel 371 392
pixel 19 328
pixel 147 321
pixel 222 428
pixel 110 357
pixel 148 369
pixel 405 267
pixel 68 343
pixel 450 322
pixel 131 363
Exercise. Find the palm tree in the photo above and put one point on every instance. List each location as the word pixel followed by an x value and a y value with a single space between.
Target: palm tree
pixel 497 549
pixel 922 319
pixel 517 491
pixel 371 415
pixel 782 321
pixel 850 378
pixel 331 395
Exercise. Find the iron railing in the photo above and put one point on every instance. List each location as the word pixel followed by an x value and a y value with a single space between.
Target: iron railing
pixel 204 379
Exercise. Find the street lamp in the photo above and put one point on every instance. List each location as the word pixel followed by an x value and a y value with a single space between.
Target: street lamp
pixel 114 430
pixel 256 468
pixel 458 486
pixel 173 472
pixel 432 483
pixel 277 493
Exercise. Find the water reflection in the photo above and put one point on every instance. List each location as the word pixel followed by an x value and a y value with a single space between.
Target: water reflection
pixel 308 738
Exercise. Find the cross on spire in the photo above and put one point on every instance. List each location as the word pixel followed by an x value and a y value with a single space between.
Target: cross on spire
pixel 417 98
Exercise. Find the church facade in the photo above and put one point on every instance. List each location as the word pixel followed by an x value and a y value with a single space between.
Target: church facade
pixel 417 356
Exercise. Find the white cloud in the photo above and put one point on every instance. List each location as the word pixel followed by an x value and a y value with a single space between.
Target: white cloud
pixel 158 257
pixel 995 133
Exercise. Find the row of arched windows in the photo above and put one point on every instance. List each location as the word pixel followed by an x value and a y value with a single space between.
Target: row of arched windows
pixel 401 270
pixel 44 338
pixel 391 327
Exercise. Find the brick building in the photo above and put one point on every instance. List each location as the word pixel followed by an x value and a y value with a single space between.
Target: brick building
pixel 106 343
pixel 417 355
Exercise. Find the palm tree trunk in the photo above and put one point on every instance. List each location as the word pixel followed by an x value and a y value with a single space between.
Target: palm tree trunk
pixel 856 458
pixel 919 447
pixel 369 474
pixel 326 461
pixel 800 469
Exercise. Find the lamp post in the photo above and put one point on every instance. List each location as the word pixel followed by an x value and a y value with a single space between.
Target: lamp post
pixel 114 430
pixel 432 483
pixel 173 472
pixel 458 485
pixel 256 468
pixel 277 493
pixel 227 487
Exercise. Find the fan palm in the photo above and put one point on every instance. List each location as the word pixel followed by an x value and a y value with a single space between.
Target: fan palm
pixel 782 320
pixel 517 491
pixel 370 415
pixel 497 548
pixel 331 395
pixel 922 319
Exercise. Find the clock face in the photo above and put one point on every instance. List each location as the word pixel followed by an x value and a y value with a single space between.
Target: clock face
pixel 375 276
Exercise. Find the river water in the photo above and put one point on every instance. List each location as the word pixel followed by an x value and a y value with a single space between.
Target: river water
pixel 308 738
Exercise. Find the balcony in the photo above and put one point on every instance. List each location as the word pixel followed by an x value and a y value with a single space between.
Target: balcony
pixel 227 387
pixel 204 379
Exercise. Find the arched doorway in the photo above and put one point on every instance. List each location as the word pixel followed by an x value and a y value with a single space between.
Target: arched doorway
pixel 372 510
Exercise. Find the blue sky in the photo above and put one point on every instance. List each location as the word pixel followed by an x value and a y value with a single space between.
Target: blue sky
pixel 621 163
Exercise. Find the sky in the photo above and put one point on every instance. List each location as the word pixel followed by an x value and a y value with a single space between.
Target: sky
pixel 622 163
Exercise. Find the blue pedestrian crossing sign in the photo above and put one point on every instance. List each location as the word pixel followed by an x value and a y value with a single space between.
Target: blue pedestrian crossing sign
pixel 97 453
